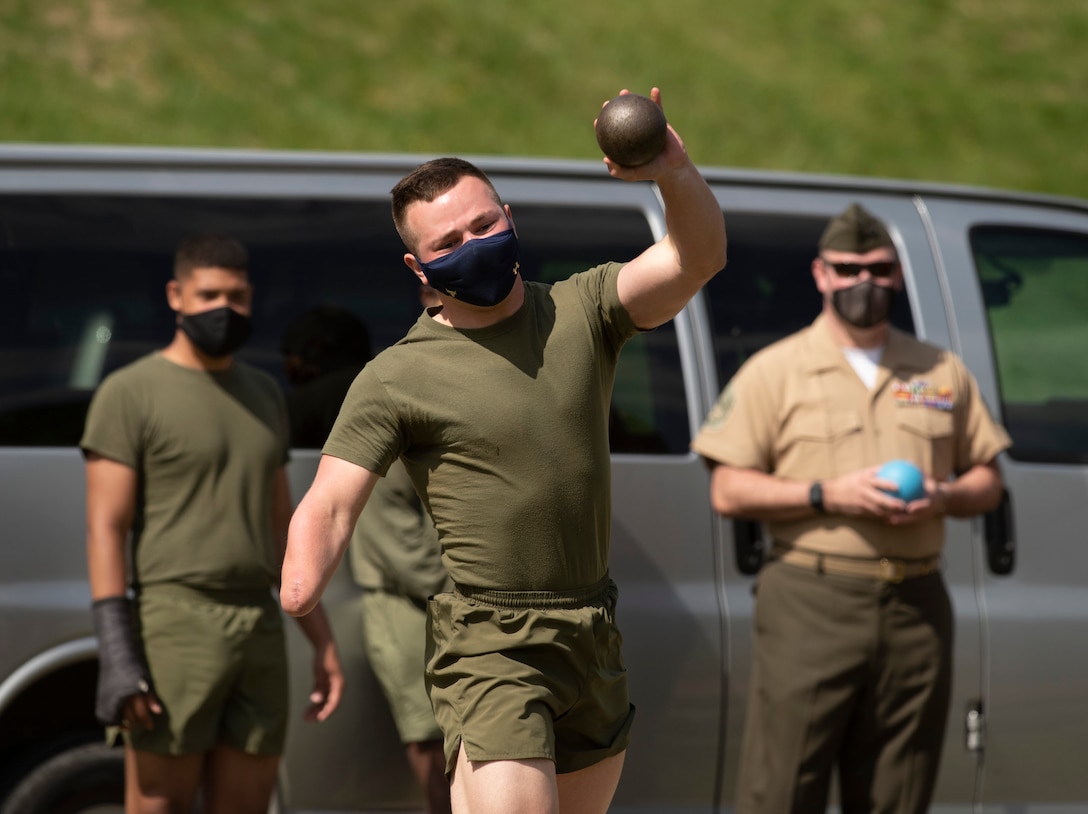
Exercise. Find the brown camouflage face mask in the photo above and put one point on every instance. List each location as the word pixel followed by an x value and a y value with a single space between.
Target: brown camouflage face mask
pixel 865 304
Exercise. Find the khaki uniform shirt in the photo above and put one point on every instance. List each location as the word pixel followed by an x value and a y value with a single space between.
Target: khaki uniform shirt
pixel 798 410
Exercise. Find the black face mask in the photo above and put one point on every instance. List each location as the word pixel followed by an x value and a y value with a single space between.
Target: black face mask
pixel 865 304
pixel 218 332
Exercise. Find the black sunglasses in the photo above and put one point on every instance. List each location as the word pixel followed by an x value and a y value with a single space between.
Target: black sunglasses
pixel 881 268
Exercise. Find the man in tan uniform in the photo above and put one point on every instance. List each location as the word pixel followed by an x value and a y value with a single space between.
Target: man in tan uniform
pixel 853 624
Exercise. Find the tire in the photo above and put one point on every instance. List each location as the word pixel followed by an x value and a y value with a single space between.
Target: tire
pixel 84 779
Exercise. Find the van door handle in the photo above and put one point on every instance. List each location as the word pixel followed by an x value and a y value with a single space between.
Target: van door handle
pixel 1000 537
pixel 748 545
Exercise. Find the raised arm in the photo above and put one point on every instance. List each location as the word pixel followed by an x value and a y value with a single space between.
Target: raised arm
pixel 320 530
pixel 656 285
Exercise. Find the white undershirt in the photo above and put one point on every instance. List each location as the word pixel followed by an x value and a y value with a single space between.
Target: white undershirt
pixel 866 362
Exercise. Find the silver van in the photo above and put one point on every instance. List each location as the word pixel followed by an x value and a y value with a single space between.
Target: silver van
pixel 86 236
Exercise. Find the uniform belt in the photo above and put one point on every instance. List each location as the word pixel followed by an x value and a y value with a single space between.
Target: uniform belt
pixel 883 570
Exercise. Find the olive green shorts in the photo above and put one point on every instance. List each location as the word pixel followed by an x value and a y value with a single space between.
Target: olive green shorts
pixel 218 664
pixel 395 628
pixel 512 682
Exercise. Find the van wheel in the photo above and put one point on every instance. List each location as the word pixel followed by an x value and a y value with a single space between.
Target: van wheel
pixel 85 779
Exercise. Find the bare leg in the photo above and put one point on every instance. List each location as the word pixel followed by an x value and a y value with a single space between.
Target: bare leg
pixel 504 786
pixel 160 784
pixel 590 790
pixel 428 763
pixel 238 783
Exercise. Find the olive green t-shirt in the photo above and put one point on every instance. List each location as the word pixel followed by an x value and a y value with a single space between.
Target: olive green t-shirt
pixel 205 447
pixel 504 432
pixel 395 545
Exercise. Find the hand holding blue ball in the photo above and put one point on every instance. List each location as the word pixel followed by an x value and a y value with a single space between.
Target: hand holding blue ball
pixel 908 477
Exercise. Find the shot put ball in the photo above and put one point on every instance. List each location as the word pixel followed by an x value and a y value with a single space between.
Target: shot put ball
pixel 908 477
pixel 631 130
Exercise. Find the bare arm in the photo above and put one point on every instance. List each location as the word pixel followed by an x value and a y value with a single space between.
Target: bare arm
pixel 656 285
pixel 111 507
pixel 976 491
pixel 320 530
pixel 327 671
pixel 758 496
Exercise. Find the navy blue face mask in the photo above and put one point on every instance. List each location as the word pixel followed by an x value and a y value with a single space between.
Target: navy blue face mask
pixel 479 272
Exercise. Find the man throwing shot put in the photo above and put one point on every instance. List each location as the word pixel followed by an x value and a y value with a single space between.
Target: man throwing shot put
pixel 497 403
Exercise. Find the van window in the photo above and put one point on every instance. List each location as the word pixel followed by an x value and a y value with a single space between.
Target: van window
pixel 1035 286
pixel 767 291
pixel 83 282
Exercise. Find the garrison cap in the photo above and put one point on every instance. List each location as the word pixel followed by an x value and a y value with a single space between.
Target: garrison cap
pixel 856 231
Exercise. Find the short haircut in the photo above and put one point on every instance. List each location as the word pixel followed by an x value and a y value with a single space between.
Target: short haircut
pixel 425 183
pixel 210 251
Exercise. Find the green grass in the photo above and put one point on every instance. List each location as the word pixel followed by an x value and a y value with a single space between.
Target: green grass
pixel 989 92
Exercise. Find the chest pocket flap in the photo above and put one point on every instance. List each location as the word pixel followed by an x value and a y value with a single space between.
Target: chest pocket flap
pixel 821 425
pixel 819 443
pixel 927 422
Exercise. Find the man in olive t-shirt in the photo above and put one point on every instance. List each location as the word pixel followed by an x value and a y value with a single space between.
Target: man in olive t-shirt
pixel 185 454
pixel 497 402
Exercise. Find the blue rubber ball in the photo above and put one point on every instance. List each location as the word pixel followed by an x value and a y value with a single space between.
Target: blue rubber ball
pixel 909 478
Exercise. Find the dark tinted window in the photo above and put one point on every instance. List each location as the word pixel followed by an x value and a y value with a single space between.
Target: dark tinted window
pixel 767 291
pixel 1035 286
pixel 83 293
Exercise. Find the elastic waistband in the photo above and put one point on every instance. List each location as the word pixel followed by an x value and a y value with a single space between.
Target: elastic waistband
pixel 884 569
pixel 218 596
pixel 541 600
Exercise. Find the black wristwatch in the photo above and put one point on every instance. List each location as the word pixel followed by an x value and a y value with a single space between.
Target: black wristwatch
pixel 816 497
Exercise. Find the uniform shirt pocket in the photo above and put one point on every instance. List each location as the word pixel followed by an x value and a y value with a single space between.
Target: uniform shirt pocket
pixel 820 444
pixel 926 437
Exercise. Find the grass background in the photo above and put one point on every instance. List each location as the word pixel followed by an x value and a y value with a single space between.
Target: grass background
pixel 988 92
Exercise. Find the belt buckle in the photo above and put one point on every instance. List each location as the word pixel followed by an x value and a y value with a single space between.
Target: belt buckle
pixel 893 571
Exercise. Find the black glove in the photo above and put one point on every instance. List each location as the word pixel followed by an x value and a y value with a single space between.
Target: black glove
pixel 121 670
